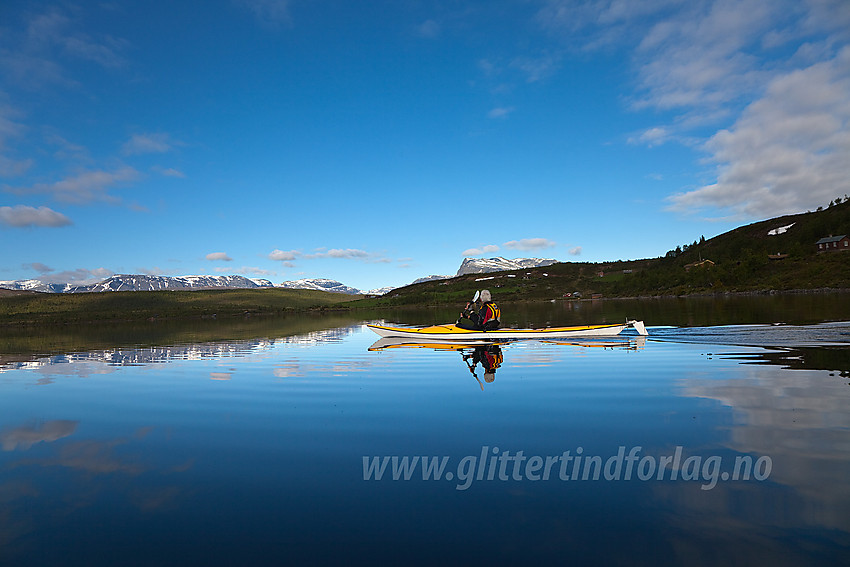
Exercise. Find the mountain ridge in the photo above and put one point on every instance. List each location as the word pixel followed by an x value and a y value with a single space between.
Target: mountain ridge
pixel 143 282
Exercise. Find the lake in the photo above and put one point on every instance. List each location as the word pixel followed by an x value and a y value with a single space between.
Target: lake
pixel 722 438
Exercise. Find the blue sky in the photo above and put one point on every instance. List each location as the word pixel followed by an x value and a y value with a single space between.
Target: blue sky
pixel 375 142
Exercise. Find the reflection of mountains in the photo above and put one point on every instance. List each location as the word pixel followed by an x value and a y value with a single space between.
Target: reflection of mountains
pixel 139 356
pixel 21 344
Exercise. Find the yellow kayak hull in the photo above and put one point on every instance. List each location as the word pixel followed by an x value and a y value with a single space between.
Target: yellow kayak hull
pixel 453 332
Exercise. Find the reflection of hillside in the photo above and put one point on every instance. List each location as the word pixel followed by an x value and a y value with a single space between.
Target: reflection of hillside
pixel 801 419
pixel 808 358
pixel 138 356
pixel 20 344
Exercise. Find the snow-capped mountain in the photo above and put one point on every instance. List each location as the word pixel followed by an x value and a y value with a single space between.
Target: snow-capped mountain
pixel 320 284
pixel 499 264
pixel 430 279
pixel 380 290
pixel 139 282
pixel 36 285
pixel 135 282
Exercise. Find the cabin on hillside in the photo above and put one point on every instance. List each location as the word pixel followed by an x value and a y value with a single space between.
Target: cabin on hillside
pixel 833 244
pixel 700 264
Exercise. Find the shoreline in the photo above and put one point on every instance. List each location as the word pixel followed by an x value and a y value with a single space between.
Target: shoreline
pixel 211 311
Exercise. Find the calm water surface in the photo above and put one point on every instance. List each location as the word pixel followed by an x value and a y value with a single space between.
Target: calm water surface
pixel 255 450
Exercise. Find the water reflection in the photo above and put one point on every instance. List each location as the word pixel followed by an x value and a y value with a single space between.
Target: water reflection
pixel 800 418
pixel 487 357
pixel 56 473
pixel 25 436
pixel 30 343
pixel 199 451
pixel 102 361
pixel 799 347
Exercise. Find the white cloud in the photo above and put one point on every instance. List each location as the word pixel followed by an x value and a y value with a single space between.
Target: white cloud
pixel 80 276
pixel 651 137
pixel 82 188
pixel 768 78
pixel 14 168
pixel 350 253
pixel 219 256
pixel 10 128
pixel 283 256
pixel 156 143
pixel 32 53
pixel 500 112
pixel 39 267
pixel 169 172
pixel 67 150
pixel 21 216
pixel 703 54
pixel 254 271
pixel 337 253
pixel 246 270
pixel 788 151
pixel 575 251
pixel 530 244
pixel 486 249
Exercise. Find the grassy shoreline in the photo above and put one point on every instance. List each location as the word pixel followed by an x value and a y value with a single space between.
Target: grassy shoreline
pixel 26 310
pixel 29 309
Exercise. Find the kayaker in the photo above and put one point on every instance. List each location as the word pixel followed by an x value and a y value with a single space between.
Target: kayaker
pixel 483 315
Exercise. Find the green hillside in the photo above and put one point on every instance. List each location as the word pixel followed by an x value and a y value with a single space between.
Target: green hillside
pixel 746 259
pixel 38 308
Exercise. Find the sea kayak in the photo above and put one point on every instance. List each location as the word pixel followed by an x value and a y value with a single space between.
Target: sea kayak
pixel 453 332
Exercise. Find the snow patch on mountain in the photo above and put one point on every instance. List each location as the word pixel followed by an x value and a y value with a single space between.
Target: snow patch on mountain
pixel 499 264
pixel 35 285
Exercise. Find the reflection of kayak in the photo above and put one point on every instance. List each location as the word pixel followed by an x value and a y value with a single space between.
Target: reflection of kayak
pixel 402 342
pixel 453 332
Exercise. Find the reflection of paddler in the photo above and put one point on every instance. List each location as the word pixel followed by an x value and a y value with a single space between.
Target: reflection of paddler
pixel 489 357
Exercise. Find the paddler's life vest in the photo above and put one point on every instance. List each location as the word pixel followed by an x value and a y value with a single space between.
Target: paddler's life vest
pixel 490 316
pixel 493 358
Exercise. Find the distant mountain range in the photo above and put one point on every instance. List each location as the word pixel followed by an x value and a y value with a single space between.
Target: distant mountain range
pixel 320 285
pixel 139 282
